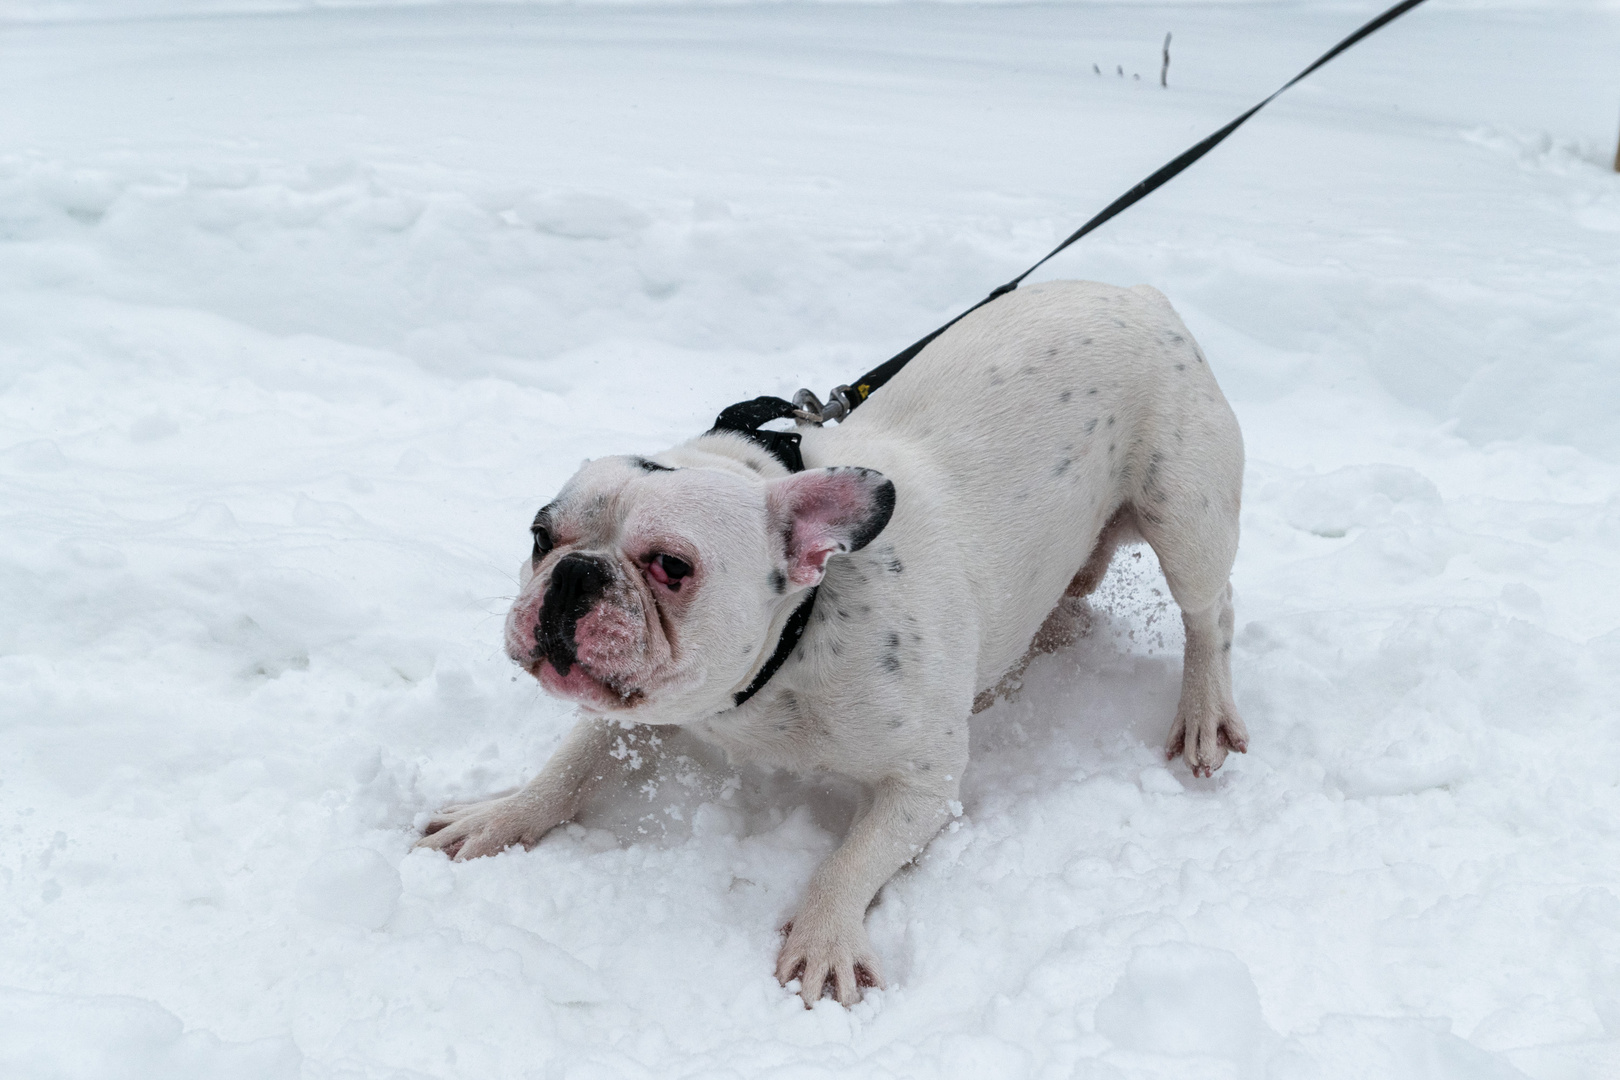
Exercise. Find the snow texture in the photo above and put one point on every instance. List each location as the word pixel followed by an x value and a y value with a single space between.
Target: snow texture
pixel 303 314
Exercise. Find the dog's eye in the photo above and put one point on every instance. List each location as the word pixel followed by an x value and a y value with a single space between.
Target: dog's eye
pixel 542 542
pixel 668 570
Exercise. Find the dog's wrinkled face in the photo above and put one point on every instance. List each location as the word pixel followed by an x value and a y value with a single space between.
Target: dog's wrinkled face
pixel 651 590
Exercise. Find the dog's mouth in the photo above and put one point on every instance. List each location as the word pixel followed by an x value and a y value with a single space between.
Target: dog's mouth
pixel 580 685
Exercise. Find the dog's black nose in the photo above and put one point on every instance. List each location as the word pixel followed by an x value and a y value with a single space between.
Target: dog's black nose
pixel 577 582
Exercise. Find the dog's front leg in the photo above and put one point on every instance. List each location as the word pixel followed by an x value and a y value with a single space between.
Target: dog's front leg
pixel 827 938
pixel 483 828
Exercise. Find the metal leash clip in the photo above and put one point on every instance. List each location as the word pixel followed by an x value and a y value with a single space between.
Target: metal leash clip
pixel 808 408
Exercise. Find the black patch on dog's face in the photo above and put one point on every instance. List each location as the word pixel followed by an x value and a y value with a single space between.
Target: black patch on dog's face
pixel 778 582
pixel 647 465
pixel 577 582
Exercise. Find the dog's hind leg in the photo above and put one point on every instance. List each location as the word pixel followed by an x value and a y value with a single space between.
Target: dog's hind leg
pixel 1067 623
pixel 1188 512
pixel 1071 618
pixel 1121 529
pixel 1207 723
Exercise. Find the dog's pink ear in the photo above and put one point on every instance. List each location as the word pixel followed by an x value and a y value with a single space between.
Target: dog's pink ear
pixel 825 512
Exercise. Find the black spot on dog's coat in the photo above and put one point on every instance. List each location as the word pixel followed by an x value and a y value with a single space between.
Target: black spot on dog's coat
pixel 891 656
pixel 648 465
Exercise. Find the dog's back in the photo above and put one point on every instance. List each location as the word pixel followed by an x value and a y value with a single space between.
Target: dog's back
pixel 1039 416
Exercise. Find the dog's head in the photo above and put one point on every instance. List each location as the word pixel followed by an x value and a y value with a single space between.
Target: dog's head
pixel 652 591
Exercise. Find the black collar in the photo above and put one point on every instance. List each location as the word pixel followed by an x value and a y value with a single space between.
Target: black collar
pixel 791 633
pixel 745 418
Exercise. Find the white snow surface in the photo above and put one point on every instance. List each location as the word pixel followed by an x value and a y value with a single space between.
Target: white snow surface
pixel 302 316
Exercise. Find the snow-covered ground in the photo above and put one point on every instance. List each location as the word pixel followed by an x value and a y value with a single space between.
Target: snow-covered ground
pixel 303 314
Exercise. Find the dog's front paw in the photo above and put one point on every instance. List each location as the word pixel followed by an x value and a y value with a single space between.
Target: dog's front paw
pixel 827 953
pixel 1204 739
pixel 484 828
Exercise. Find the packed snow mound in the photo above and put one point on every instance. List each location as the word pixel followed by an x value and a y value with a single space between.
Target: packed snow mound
pixel 355 886
pixel 102 1037
pixel 1180 999
pixel 303 315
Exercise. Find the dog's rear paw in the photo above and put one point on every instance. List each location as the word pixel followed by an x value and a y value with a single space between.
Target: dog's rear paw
pixel 469 830
pixel 1205 741
pixel 827 956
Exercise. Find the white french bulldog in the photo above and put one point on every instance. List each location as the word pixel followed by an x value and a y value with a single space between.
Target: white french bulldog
pixel 940 525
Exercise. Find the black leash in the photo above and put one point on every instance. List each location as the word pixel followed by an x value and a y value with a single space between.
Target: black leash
pixel 745 418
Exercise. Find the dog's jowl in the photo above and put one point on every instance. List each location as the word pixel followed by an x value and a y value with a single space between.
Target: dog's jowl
pixel 940 527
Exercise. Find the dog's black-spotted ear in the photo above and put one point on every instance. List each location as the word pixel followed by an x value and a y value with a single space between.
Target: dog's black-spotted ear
pixel 820 513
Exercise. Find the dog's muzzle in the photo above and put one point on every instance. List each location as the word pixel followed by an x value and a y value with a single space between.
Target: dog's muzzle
pixel 577 582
